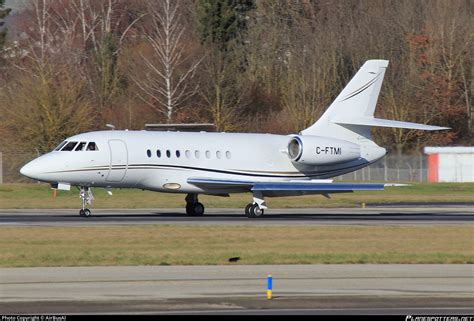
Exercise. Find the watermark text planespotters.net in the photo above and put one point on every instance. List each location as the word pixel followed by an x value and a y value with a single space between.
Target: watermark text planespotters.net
pixel 439 318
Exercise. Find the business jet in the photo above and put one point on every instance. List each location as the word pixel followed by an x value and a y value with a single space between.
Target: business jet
pixel 219 164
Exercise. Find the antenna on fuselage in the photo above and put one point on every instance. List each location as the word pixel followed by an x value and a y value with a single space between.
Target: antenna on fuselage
pixel 110 126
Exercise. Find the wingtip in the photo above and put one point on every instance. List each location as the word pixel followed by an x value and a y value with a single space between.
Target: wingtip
pixel 438 128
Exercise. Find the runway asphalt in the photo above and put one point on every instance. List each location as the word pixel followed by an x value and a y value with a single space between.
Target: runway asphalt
pixel 240 289
pixel 318 216
pixel 298 289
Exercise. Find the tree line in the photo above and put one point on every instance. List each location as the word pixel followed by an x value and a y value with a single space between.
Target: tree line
pixel 69 66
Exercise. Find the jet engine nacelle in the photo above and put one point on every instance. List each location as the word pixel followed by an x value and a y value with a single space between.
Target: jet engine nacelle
pixel 316 150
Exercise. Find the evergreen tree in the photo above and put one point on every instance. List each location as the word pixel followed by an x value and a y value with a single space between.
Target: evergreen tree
pixel 221 21
pixel 3 31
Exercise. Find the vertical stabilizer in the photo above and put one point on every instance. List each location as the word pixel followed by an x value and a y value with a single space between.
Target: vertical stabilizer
pixel 357 100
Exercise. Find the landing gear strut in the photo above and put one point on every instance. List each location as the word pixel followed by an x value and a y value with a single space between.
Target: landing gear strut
pixel 86 196
pixel 193 207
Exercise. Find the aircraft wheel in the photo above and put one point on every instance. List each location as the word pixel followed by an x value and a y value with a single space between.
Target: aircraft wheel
pixel 253 211
pixel 189 209
pixel 247 210
pixel 85 212
pixel 198 209
pixel 257 211
pixel 194 209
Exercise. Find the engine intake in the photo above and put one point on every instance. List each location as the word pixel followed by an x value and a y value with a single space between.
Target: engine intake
pixel 315 150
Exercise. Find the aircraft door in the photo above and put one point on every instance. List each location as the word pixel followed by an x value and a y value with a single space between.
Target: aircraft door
pixel 118 160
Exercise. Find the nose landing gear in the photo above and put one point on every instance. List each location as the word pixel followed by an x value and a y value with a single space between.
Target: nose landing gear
pixel 86 196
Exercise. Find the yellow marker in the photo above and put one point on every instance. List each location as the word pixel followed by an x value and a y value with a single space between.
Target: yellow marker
pixel 269 286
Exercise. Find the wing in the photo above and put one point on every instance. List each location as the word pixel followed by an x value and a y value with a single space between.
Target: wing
pixel 287 188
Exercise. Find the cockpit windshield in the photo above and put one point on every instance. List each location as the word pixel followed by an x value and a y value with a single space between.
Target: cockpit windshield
pixel 77 146
pixel 69 147
pixel 81 146
pixel 60 146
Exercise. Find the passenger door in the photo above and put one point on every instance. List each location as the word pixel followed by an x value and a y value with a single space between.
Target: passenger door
pixel 118 160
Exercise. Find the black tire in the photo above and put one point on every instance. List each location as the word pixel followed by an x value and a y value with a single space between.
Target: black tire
pixel 256 211
pixel 247 209
pixel 190 209
pixel 87 212
pixel 251 211
pixel 198 209
pixel 81 212
pixel 195 209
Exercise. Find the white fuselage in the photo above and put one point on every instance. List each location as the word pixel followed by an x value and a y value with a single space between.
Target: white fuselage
pixel 164 161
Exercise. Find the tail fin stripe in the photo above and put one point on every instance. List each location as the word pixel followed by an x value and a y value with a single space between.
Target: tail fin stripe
pixel 358 91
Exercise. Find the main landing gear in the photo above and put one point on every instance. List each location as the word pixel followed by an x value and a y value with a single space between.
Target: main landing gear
pixel 86 196
pixel 193 207
pixel 252 210
pixel 257 207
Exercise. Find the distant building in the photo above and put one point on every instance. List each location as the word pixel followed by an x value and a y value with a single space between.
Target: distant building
pixel 450 164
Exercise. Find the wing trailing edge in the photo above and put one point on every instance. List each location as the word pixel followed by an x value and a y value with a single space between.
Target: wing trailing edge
pixel 310 186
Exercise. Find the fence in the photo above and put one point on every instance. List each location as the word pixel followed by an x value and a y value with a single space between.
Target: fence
pixel 10 164
pixel 1 168
pixel 391 169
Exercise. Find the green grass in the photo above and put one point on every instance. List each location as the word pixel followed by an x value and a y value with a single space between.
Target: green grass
pixel 40 196
pixel 210 245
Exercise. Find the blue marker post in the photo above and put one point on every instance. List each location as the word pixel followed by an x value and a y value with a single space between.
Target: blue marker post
pixel 269 286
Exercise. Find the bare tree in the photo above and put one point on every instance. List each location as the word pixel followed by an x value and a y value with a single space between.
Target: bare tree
pixel 45 99
pixel 221 91
pixel 166 85
pixel 103 26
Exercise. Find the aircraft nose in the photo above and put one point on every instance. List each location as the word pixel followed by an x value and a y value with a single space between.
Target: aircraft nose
pixel 28 170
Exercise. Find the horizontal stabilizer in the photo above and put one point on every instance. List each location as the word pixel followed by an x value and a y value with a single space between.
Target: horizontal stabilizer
pixel 377 122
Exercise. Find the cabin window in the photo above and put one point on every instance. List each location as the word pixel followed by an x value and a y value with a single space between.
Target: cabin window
pixel 60 146
pixel 81 146
pixel 188 154
pixel 148 152
pixel 218 154
pixel 196 154
pixel 178 154
pixel 228 155
pixel 208 154
pixel 92 146
pixel 69 147
pixel 168 153
pixel 158 153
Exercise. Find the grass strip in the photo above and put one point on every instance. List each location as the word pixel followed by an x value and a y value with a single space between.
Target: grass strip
pixel 32 196
pixel 211 245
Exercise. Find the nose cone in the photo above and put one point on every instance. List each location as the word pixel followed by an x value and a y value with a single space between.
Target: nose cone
pixel 29 170
pixel 38 168
pixel 44 168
